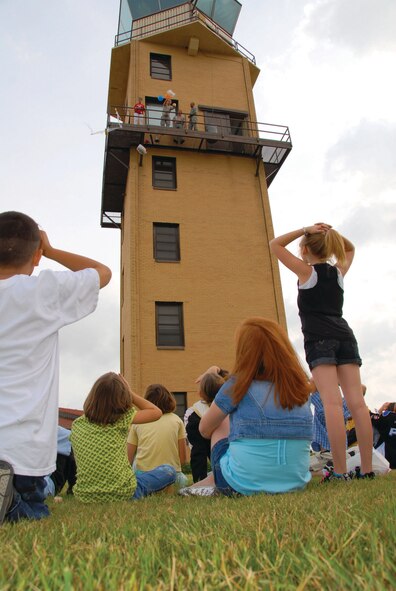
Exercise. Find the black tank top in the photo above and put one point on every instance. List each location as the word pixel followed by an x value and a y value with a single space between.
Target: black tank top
pixel 320 307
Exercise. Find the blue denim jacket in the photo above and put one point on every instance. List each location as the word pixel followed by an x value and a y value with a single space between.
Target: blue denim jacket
pixel 257 416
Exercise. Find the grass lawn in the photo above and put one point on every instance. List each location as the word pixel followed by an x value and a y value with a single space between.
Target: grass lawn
pixel 334 536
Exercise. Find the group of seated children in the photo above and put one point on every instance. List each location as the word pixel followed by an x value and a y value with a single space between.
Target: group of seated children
pixel 259 424
pixel 252 426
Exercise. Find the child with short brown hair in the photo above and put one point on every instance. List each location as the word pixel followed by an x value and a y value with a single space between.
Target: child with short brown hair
pixel 33 308
pixel 163 442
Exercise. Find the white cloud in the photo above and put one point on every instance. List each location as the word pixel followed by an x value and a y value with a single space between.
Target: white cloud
pixel 368 148
pixel 361 25
pixel 371 225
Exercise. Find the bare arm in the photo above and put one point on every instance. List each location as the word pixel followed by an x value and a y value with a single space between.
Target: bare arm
pixel 182 451
pixel 212 369
pixel 74 262
pixel 131 450
pixel 383 407
pixel 211 420
pixel 147 411
pixel 295 264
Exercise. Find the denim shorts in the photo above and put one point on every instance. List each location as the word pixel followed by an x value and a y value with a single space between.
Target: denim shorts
pixel 332 352
pixel 218 451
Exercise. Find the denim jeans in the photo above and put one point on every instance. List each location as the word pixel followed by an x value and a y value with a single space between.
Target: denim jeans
pixel 154 480
pixel 29 498
pixel 218 451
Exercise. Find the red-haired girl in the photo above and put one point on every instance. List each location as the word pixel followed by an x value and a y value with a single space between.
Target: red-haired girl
pixel 330 346
pixel 260 422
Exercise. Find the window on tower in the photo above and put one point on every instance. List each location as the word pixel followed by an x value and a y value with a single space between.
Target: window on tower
pixel 166 242
pixel 160 66
pixel 169 324
pixel 164 172
pixel 181 403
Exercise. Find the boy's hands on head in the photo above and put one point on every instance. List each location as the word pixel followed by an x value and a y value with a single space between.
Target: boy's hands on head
pixel 72 261
pixel 45 243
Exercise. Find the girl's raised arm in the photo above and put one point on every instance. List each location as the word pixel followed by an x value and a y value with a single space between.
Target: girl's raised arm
pixel 147 411
pixel 295 264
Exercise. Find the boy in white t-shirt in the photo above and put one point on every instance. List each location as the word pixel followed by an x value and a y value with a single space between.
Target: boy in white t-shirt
pixel 32 310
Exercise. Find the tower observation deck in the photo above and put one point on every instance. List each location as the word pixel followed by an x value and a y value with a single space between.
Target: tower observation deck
pixel 196 26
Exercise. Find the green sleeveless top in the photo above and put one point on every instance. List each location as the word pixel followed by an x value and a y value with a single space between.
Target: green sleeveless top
pixel 103 471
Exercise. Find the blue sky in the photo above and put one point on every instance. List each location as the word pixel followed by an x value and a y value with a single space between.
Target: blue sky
pixel 327 71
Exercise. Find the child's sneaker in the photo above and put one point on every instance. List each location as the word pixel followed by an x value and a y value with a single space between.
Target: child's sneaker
pixel 198 491
pixel 329 475
pixel 6 488
pixel 360 476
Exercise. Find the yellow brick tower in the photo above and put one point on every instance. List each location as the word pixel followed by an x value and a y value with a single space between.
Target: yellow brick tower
pixel 187 185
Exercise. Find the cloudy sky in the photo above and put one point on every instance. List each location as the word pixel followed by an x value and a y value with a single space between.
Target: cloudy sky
pixel 327 71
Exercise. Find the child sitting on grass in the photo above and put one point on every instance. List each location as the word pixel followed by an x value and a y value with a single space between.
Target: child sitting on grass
pixel 260 422
pixel 99 439
pixel 209 385
pixel 162 442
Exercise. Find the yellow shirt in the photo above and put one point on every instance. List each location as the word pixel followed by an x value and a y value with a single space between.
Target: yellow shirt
pixel 158 442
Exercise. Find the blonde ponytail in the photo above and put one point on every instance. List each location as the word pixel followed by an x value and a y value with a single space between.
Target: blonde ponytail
pixel 325 246
pixel 334 246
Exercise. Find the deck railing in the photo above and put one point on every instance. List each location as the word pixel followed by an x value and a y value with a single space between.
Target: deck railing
pixel 218 124
pixel 174 18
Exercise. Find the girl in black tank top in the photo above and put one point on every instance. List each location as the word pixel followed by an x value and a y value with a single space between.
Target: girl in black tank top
pixel 330 344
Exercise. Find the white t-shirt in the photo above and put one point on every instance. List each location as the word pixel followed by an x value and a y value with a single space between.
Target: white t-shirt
pixel 32 310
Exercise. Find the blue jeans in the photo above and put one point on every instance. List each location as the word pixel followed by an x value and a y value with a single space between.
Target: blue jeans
pixel 29 499
pixel 218 451
pixel 154 480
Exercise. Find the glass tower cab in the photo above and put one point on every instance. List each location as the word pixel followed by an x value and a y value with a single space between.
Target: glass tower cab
pixel 224 13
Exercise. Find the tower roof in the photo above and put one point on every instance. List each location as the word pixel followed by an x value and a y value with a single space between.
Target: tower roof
pixel 174 30
pixel 223 12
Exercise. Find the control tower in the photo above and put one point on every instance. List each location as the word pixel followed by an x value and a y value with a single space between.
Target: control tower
pixel 189 194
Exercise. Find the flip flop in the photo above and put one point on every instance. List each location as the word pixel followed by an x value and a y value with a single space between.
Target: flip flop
pixel 6 488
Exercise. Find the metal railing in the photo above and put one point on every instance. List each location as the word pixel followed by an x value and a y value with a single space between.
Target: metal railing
pixel 173 18
pixel 210 122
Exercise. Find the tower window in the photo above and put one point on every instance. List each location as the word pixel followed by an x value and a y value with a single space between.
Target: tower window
pixel 181 403
pixel 169 324
pixel 166 242
pixel 164 172
pixel 160 66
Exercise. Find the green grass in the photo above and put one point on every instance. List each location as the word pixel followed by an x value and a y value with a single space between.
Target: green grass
pixel 333 536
